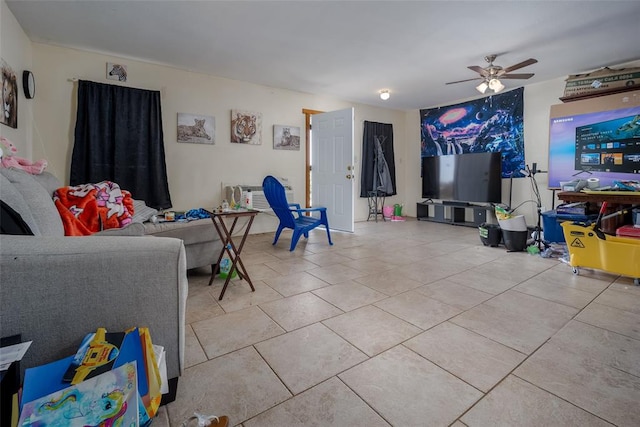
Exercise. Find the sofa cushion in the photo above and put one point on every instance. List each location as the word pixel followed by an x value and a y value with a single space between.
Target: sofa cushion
pixel 142 212
pixel 196 231
pixel 133 229
pixel 39 202
pixel 12 197
pixel 48 182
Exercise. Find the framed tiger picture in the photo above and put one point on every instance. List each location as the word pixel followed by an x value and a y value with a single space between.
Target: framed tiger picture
pixel 286 137
pixel 246 127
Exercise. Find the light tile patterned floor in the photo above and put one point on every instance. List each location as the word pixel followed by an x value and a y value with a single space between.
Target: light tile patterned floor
pixel 410 324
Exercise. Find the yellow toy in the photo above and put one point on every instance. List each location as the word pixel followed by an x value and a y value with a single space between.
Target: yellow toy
pixel 99 353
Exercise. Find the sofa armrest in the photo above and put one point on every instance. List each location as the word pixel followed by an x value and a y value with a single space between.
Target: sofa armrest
pixel 57 289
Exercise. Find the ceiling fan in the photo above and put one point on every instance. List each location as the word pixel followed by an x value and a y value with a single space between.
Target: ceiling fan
pixel 492 74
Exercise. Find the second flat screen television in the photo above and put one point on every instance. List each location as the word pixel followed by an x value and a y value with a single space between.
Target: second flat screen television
pixel 474 177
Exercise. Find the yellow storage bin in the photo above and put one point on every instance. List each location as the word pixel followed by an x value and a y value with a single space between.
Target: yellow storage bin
pixel 617 255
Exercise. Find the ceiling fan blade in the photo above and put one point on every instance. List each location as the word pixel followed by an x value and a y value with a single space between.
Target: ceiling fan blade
pixel 466 80
pixel 520 65
pixel 517 76
pixel 478 70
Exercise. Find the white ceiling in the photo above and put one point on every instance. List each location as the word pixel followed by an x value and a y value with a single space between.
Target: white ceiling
pixel 349 50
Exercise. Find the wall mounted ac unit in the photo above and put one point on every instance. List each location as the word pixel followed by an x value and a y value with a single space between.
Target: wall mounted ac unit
pixel 234 192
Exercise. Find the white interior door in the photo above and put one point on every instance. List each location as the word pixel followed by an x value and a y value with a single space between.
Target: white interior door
pixel 332 179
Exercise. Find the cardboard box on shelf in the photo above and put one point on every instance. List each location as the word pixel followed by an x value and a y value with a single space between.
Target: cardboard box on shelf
pixel 602 80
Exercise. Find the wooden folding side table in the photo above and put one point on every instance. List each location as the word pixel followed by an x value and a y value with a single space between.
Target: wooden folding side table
pixel 228 245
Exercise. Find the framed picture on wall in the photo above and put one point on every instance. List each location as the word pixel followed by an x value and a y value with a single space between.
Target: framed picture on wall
pixel 246 127
pixel 116 72
pixel 196 129
pixel 9 96
pixel 286 137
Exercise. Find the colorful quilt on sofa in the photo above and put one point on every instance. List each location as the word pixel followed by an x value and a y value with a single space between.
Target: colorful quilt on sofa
pixel 88 208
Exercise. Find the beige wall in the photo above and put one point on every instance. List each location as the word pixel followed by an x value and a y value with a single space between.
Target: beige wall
pixel 195 171
pixel 538 99
pixel 15 49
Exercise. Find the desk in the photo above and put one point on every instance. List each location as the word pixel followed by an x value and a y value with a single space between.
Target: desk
pixel 631 198
pixel 614 203
pixel 228 245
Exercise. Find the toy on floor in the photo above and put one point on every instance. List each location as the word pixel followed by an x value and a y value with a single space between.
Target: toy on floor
pixel 8 159
pixel 206 421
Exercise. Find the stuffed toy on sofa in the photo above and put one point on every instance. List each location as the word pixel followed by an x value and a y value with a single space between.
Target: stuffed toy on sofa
pixel 8 159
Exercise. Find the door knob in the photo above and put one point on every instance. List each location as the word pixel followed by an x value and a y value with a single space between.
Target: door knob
pixel 348 176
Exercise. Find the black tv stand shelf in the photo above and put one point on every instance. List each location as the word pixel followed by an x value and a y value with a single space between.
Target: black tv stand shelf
pixel 452 214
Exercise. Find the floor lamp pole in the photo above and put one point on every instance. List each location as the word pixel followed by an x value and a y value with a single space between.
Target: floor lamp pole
pixel 532 174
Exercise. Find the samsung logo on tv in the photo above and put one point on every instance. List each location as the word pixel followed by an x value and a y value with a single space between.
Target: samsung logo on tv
pixel 568 119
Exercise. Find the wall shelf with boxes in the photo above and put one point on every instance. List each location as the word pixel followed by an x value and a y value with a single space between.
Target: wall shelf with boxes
pixel 605 81
pixel 455 214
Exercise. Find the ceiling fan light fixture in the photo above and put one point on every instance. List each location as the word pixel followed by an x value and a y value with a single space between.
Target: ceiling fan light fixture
pixel 384 94
pixel 490 75
pixel 482 87
pixel 495 85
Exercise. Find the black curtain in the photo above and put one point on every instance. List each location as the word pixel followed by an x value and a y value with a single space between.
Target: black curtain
pixel 369 177
pixel 118 137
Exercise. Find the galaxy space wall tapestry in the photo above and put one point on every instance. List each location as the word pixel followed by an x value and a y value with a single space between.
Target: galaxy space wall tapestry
pixel 491 124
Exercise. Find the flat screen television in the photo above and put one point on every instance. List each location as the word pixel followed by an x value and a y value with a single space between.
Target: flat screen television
pixel 595 138
pixel 473 177
pixel 609 146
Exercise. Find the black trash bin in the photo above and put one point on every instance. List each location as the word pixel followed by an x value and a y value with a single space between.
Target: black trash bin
pixel 515 241
pixel 490 234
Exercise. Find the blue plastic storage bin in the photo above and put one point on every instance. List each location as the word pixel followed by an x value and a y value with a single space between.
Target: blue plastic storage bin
pixel 551 224
pixel 551 227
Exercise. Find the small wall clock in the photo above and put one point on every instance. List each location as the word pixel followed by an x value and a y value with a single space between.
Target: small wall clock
pixel 28 84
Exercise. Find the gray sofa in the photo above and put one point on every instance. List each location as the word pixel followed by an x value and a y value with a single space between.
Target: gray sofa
pixel 55 289
pixel 201 241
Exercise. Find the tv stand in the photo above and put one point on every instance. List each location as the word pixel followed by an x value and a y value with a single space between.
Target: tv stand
pixel 452 214
pixel 455 203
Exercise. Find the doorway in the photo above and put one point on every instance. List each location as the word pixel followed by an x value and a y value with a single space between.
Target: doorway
pixel 330 174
